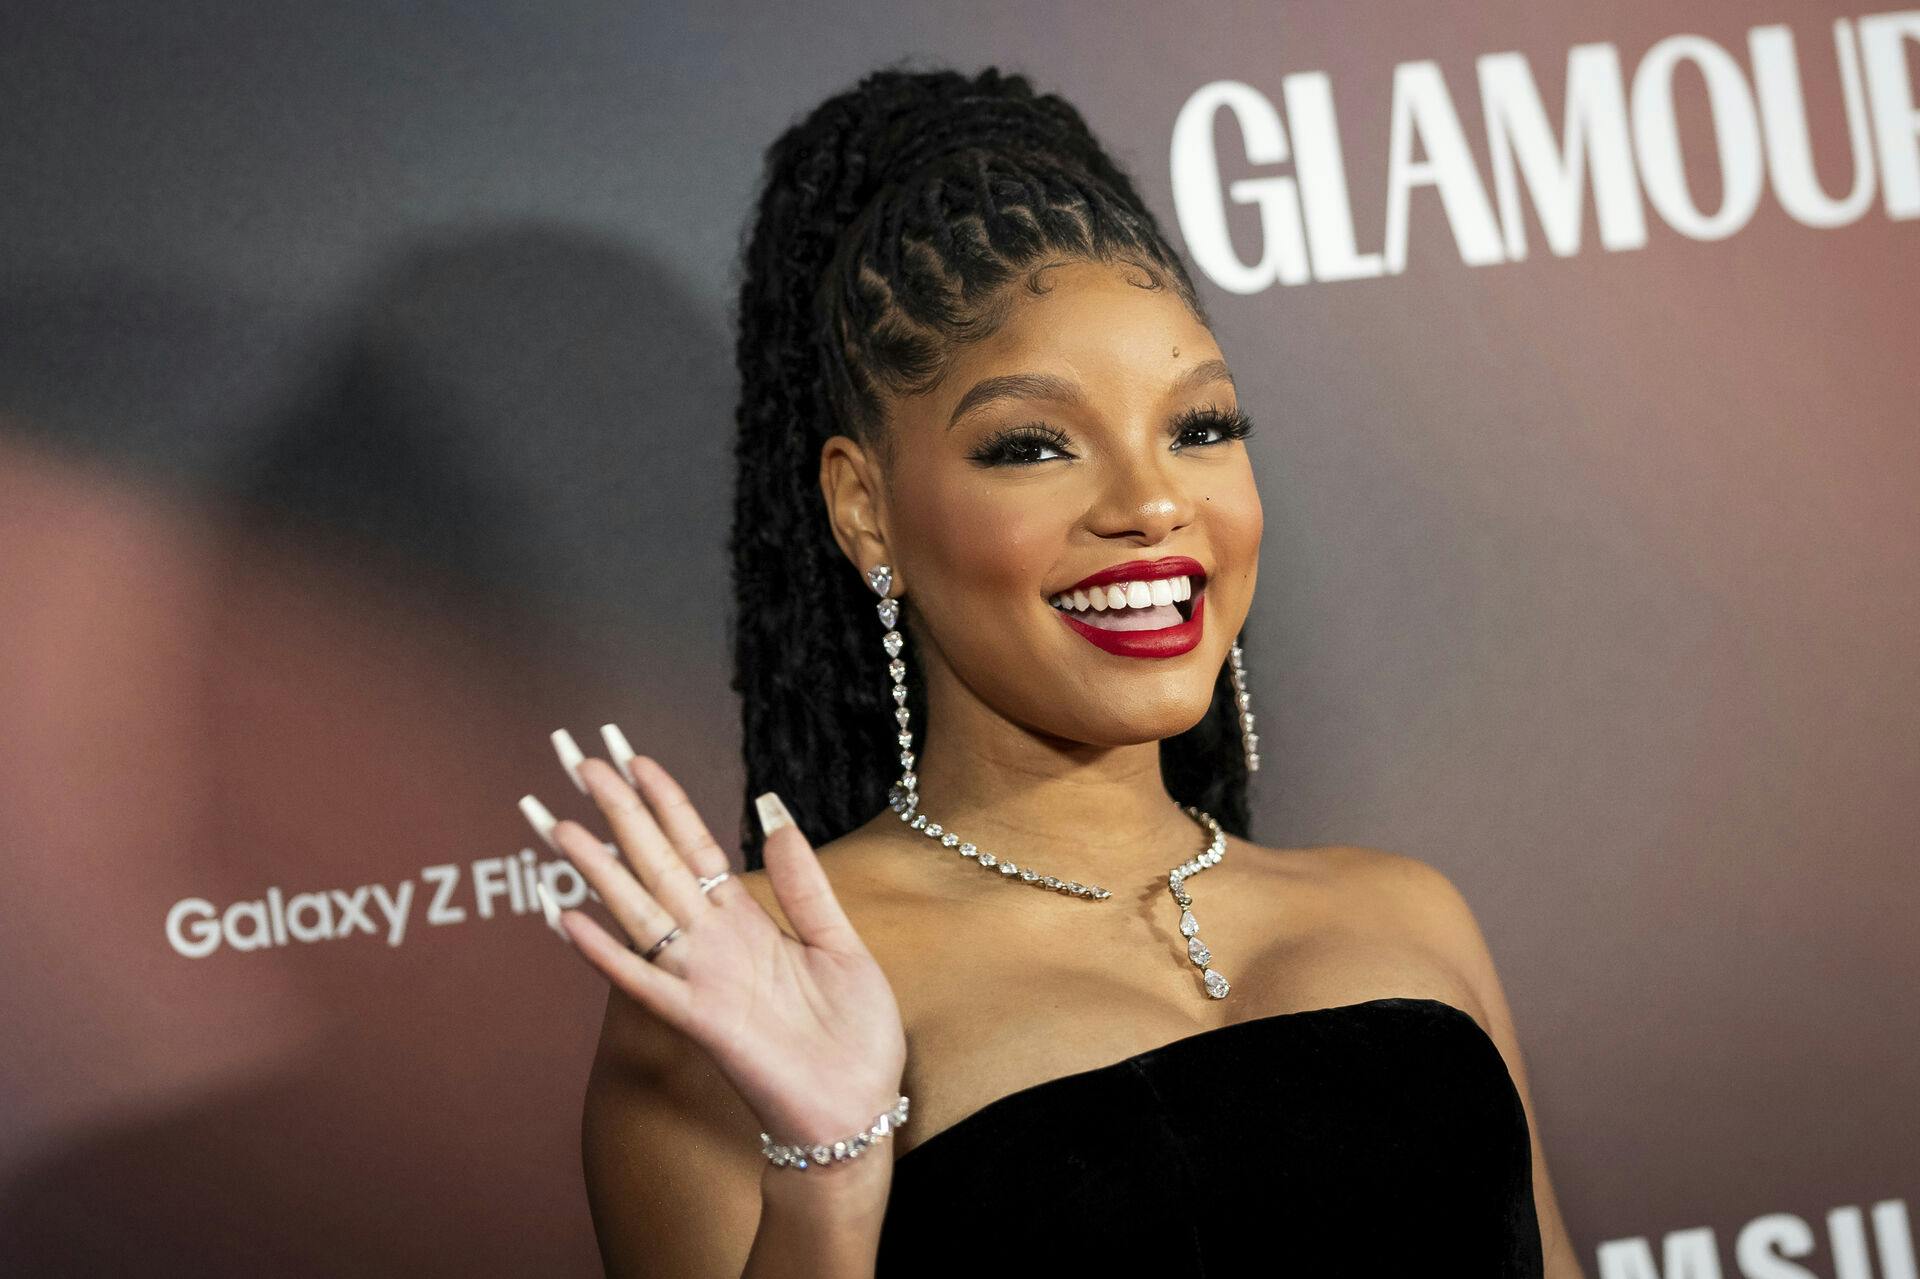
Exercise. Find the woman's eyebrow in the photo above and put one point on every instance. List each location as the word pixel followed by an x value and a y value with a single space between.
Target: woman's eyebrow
pixel 1015 386
pixel 1046 386
pixel 1202 373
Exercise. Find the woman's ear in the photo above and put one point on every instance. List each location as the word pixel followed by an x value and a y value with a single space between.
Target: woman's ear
pixel 851 482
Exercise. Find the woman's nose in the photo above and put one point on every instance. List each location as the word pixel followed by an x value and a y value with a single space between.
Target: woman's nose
pixel 1142 500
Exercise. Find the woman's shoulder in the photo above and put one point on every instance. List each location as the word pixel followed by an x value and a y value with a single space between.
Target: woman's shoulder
pixel 1352 868
pixel 1395 892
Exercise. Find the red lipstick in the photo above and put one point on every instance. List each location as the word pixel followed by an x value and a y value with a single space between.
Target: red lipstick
pixel 1168 641
pixel 1144 571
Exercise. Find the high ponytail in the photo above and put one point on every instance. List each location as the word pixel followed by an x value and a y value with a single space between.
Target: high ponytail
pixel 887 223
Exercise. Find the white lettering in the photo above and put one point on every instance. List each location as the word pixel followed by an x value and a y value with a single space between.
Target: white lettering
pixel 445 879
pixel 196 938
pixel 1688 1254
pixel 1893 1235
pixel 1323 180
pixel 321 927
pixel 394 907
pixel 1656 137
pixel 490 883
pixel 1594 132
pixel 1626 139
pixel 1763 1245
pixel 259 934
pixel 1764 1241
pixel 353 913
pixel 1783 121
pixel 576 890
pixel 1896 122
pixel 1197 202
pixel 1422 107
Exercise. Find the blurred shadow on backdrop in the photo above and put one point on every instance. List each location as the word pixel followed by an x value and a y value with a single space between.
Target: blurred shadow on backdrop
pixel 324 652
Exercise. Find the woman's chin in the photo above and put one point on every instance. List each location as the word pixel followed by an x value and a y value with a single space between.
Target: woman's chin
pixel 1184 709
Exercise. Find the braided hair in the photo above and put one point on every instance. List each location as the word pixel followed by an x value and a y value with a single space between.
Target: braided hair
pixel 888 221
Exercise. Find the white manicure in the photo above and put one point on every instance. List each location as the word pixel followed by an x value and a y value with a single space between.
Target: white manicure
pixel 570 757
pixel 618 750
pixel 540 819
pixel 773 814
pixel 550 909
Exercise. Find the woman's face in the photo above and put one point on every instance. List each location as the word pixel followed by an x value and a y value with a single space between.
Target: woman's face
pixel 1092 435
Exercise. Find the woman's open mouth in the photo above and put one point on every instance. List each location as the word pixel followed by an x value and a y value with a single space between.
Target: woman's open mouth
pixel 1141 609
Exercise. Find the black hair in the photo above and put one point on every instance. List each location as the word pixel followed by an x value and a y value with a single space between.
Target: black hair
pixel 889 221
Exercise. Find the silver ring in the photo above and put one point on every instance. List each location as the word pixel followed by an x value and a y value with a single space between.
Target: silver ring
pixel 660 945
pixel 708 881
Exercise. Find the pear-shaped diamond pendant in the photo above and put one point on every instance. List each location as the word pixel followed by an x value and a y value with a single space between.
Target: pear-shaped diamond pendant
pixel 1189 926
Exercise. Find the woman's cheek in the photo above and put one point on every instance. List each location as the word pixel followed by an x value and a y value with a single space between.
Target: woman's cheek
pixel 1244 522
pixel 996 543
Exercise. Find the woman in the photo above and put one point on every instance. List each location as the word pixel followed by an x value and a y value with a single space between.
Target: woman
pixel 993 485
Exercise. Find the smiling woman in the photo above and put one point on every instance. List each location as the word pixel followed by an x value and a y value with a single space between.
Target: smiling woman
pixel 993 484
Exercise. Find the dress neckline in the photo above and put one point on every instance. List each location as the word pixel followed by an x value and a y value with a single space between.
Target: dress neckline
pixel 1383 1002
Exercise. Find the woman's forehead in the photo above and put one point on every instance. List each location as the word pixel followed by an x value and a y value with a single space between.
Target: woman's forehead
pixel 1094 326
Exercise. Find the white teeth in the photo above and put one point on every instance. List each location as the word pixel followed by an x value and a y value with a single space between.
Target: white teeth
pixel 1154 593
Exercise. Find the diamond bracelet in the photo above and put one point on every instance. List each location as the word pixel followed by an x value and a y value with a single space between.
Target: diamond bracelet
pixel 852 1148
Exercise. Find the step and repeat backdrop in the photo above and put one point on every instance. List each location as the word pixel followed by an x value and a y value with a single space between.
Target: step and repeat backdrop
pixel 365 412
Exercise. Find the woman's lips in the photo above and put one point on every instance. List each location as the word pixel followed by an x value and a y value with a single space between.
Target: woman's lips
pixel 1142 608
pixel 1126 638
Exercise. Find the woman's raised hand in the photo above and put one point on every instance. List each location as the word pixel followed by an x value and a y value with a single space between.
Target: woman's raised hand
pixel 805 1027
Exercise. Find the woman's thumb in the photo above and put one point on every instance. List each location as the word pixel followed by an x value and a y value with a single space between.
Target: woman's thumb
pixel 799 883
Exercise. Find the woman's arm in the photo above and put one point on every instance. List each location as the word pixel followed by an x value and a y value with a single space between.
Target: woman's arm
pixel 822 1222
pixel 1444 915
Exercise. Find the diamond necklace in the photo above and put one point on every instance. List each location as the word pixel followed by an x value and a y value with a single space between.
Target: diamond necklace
pixel 904 799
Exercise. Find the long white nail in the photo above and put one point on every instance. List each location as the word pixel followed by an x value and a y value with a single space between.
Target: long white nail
pixel 540 819
pixel 618 750
pixel 773 814
pixel 570 757
pixel 551 909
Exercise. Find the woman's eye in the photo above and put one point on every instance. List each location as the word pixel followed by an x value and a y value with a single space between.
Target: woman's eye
pixel 1211 426
pixel 1022 446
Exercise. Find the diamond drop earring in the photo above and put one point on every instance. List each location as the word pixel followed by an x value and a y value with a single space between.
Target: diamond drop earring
pixel 1249 740
pixel 901 797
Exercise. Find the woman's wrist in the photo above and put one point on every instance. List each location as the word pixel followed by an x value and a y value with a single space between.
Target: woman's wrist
pixel 847 1194
pixel 844 1145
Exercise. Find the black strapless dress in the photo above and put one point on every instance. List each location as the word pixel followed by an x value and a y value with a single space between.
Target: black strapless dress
pixel 1382 1138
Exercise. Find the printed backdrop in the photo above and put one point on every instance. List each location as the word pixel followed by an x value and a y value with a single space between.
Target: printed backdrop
pixel 365 394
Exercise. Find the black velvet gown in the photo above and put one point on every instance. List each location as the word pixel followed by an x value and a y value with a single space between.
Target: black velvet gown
pixel 1382 1138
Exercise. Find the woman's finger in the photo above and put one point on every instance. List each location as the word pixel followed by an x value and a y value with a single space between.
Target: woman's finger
pixel 799 883
pixel 660 992
pixel 678 818
pixel 633 908
pixel 663 872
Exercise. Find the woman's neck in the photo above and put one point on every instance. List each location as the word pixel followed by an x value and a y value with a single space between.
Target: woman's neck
pixel 1095 814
